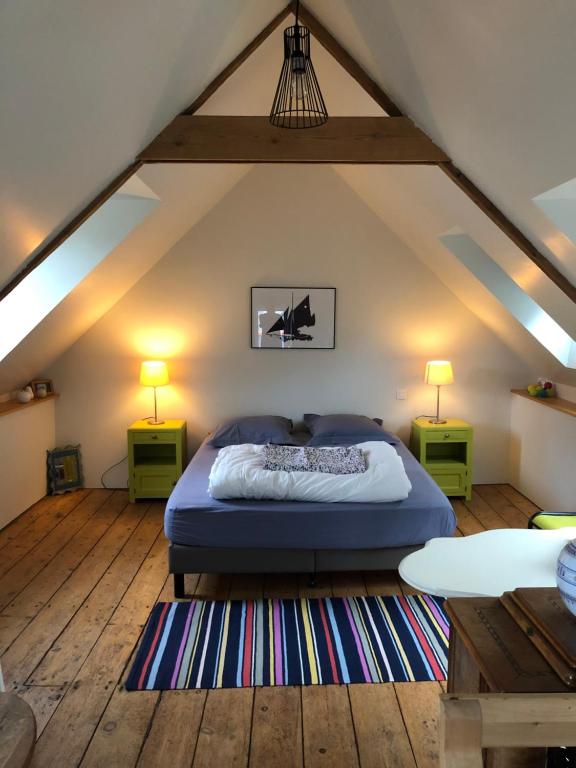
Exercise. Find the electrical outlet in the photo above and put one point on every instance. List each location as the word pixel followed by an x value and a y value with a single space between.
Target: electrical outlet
pixel 401 394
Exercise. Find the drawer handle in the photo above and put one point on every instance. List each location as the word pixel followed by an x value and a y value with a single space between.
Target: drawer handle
pixel 446 434
pixel 154 437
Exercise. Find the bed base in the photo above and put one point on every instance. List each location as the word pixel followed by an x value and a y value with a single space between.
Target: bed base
pixel 183 559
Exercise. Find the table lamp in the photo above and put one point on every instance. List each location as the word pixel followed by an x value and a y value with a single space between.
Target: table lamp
pixel 438 372
pixel 154 373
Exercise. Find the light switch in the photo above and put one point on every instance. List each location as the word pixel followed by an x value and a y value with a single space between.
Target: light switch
pixel 401 394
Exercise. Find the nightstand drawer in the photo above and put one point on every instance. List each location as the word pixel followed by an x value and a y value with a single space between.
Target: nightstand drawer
pixel 154 483
pixel 452 482
pixel 447 435
pixel 140 436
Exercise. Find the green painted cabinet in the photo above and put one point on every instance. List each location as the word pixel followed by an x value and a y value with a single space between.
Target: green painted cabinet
pixel 445 451
pixel 156 458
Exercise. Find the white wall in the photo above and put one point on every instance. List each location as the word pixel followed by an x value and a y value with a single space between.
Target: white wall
pixel 285 226
pixel 25 436
pixel 543 454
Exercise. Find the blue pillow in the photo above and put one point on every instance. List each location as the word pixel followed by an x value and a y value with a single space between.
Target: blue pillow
pixel 253 429
pixel 345 429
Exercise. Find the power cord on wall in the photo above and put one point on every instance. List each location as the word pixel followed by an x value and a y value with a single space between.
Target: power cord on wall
pixel 103 475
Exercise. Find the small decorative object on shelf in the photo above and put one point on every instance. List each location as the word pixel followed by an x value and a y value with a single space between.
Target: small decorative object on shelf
pixel 566 575
pixel 41 387
pixel 64 469
pixel 25 395
pixel 542 388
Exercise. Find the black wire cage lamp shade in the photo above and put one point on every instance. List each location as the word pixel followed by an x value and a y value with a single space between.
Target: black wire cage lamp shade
pixel 298 102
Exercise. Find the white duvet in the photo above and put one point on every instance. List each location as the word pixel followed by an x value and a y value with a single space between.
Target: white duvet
pixel 238 473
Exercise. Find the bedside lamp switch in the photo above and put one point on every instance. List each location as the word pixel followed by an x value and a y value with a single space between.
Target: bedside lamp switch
pixel 401 394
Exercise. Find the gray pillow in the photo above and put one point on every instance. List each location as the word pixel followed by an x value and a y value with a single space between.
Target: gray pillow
pixel 333 461
pixel 253 429
pixel 345 429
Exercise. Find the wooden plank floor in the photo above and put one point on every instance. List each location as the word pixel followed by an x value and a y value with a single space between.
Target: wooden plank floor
pixel 79 575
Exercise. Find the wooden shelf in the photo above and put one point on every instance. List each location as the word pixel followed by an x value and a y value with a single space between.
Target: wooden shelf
pixel 10 406
pixel 556 403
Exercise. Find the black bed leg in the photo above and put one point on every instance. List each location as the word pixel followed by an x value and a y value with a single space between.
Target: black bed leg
pixel 311 579
pixel 179 585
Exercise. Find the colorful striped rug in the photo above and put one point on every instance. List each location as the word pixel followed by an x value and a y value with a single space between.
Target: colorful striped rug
pixel 240 643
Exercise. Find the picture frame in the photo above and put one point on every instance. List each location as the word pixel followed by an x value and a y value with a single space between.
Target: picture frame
pixel 64 469
pixel 289 317
pixel 41 385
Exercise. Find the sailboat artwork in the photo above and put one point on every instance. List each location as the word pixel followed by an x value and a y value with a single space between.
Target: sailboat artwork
pixel 293 318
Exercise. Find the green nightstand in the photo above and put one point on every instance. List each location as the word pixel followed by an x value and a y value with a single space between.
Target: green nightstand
pixel 156 458
pixel 445 452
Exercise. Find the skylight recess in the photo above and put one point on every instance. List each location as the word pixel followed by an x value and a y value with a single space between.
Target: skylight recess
pixel 47 285
pixel 522 306
pixel 559 205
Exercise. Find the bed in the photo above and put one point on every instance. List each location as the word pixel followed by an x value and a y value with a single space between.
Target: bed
pixel 207 535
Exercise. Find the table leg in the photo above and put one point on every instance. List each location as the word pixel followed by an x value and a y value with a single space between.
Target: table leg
pixel 464 677
pixel 463 673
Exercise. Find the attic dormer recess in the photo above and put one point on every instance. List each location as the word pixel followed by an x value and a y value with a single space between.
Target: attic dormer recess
pixel 298 102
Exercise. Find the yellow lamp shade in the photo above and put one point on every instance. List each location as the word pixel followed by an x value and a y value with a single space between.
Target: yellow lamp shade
pixel 439 372
pixel 154 373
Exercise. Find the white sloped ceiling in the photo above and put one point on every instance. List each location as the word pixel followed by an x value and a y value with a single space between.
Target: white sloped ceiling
pixel 85 86
pixel 101 80
pixel 186 194
pixel 490 82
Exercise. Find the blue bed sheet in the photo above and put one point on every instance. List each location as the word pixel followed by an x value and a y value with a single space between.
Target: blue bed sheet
pixel 194 518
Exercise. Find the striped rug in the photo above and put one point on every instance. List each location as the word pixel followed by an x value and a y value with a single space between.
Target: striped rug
pixel 240 643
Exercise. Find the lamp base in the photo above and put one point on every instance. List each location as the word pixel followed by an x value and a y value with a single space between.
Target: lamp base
pixel 437 421
pixel 155 421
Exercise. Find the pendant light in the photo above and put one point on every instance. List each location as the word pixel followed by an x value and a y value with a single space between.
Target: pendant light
pixel 298 101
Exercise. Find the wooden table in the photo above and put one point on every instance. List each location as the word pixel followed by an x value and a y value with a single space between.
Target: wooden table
pixel 490 653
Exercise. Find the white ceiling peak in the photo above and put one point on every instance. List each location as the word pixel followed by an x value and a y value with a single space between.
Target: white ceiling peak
pixel 118 101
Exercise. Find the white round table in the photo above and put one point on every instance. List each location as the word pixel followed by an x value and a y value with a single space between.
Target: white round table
pixel 486 564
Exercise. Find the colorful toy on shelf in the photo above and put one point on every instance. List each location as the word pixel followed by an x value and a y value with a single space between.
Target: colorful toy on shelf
pixel 542 388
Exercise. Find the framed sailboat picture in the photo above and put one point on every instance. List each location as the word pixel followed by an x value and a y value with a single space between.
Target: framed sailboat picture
pixel 293 318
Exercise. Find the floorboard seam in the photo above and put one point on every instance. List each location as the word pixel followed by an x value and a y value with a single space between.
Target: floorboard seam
pixel 405 723
pixel 356 744
pixel 32 618
pixel 23 531
pixel 64 545
pixel 87 597
pixel 148 727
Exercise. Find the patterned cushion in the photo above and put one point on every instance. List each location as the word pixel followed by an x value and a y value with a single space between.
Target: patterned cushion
pixel 333 461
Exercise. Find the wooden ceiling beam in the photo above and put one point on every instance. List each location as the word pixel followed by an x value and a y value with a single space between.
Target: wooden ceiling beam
pixel 219 139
